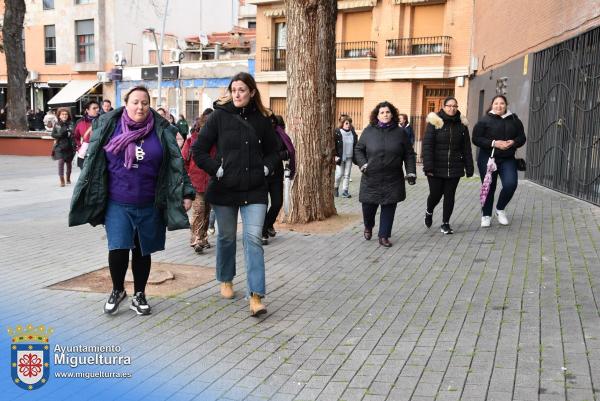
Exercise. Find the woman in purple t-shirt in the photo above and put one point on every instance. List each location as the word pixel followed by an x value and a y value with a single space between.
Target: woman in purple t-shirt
pixel 135 184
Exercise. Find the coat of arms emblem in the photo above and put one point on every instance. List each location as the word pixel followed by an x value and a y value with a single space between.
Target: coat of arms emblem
pixel 30 356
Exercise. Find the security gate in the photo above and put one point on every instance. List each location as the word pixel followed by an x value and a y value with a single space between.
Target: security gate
pixel 563 143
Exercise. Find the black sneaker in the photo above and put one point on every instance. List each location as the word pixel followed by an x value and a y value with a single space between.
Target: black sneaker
pixel 345 194
pixel 271 231
pixel 111 306
pixel 446 229
pixel 428 219
pixel 139 304
pixel 265 239
pixel 336 192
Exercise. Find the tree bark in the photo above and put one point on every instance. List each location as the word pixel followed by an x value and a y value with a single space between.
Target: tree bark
pixel 311 81
pixel 12 32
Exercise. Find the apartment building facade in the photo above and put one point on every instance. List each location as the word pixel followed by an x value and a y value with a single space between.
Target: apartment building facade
pixel 413 53
pixel 547 63
pixel 76 49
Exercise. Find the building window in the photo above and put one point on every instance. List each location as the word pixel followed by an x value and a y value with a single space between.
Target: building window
pixel 351 106
pixel 48 4
pixel 252 24
pixel 192 109
pixel 84 31
pixel 49 44
pixel 83 1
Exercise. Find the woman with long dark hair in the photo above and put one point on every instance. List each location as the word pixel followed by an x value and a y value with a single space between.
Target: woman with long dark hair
pixel 246 153
pixel 381 151
pixel 500 131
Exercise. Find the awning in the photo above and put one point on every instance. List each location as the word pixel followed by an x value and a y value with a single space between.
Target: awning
pixel 73 91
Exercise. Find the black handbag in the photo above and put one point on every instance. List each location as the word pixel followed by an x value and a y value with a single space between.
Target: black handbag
pixel 521 164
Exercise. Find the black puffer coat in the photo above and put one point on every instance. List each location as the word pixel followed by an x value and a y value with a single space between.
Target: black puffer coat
pixel 65 145
pixel 246 142
pixel 447 146
pixel 384 150
pixel 492 127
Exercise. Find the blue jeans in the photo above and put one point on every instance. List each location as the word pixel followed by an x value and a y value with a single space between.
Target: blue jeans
pixel 253 217
pixel 507 170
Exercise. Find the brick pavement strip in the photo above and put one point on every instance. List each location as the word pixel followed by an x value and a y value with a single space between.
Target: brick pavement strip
pixel 497 314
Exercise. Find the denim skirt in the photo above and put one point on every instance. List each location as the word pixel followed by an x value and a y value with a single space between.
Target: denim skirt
pixel 122 222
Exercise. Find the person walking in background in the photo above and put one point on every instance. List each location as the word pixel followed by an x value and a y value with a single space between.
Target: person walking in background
pixel 246 154
pixel 405 123
pixel 275 181
pixel 380 153
pixel 446 157
pixel 83 130
pixel 345 140
pixel 183 126
pixel 49 120
pixel 106 106
pixel 199 178
pixel 502 131
pixel 64 148
pixel 178 137
pixel 134 184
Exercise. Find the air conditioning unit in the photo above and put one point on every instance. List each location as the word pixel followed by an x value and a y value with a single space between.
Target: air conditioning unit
pixel 103 76
pixel 176 56
pixel 118 58
pixel 32 75
pixel 474 63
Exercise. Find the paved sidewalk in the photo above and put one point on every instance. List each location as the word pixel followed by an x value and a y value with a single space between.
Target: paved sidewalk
pixel 505 313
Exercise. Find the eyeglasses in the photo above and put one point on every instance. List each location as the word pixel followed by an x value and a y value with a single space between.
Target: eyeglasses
pixel 452 106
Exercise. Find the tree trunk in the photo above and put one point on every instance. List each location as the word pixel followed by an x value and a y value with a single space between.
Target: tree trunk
pixel 12 32
pixel 310 65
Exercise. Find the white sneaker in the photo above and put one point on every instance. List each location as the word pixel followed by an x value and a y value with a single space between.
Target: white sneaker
pixel 486 221
pixel 501 216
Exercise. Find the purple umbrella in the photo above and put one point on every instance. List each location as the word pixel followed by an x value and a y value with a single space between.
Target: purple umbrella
pixel 487 180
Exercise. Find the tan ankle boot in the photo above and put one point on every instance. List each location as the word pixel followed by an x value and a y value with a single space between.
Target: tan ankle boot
pixel 68 179
pixel 62 181
pixel 256 306
pixel 227 290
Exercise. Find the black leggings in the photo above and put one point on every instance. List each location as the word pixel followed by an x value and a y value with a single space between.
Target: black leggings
pixel 276 198
pixel 439 187
pixel 118 261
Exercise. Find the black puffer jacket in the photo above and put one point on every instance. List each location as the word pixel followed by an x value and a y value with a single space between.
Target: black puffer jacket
pixel 64 148
pixel 339 143
pixel 492 127
pixel 447 146
pixel 384 150
pixel 246 142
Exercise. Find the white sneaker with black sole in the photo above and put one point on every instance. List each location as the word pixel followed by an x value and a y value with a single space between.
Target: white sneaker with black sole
pixel 111 306
pixel 139 304
pixel 501 216
pixel 486 221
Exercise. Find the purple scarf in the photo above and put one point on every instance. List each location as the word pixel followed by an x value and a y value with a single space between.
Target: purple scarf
pixel 384 125
pixel 131 132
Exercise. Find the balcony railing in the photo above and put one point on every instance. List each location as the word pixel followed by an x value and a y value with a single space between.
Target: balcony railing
pixel 272 59
pixel 355 49
pixel 418 46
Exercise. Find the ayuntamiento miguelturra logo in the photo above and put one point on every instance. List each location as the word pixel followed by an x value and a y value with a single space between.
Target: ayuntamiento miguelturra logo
pixel 30 355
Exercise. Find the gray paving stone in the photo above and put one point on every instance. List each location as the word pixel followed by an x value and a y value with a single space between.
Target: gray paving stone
pixel 467 316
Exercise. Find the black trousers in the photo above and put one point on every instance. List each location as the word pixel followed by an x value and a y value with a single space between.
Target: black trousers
pixel 118 261
pixel 386 217
pixel 276 202
pixel 439 187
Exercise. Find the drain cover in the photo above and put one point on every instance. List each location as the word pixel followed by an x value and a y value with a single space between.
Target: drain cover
pixel 13 190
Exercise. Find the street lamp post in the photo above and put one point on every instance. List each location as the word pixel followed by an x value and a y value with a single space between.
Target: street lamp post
pixel 160 51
